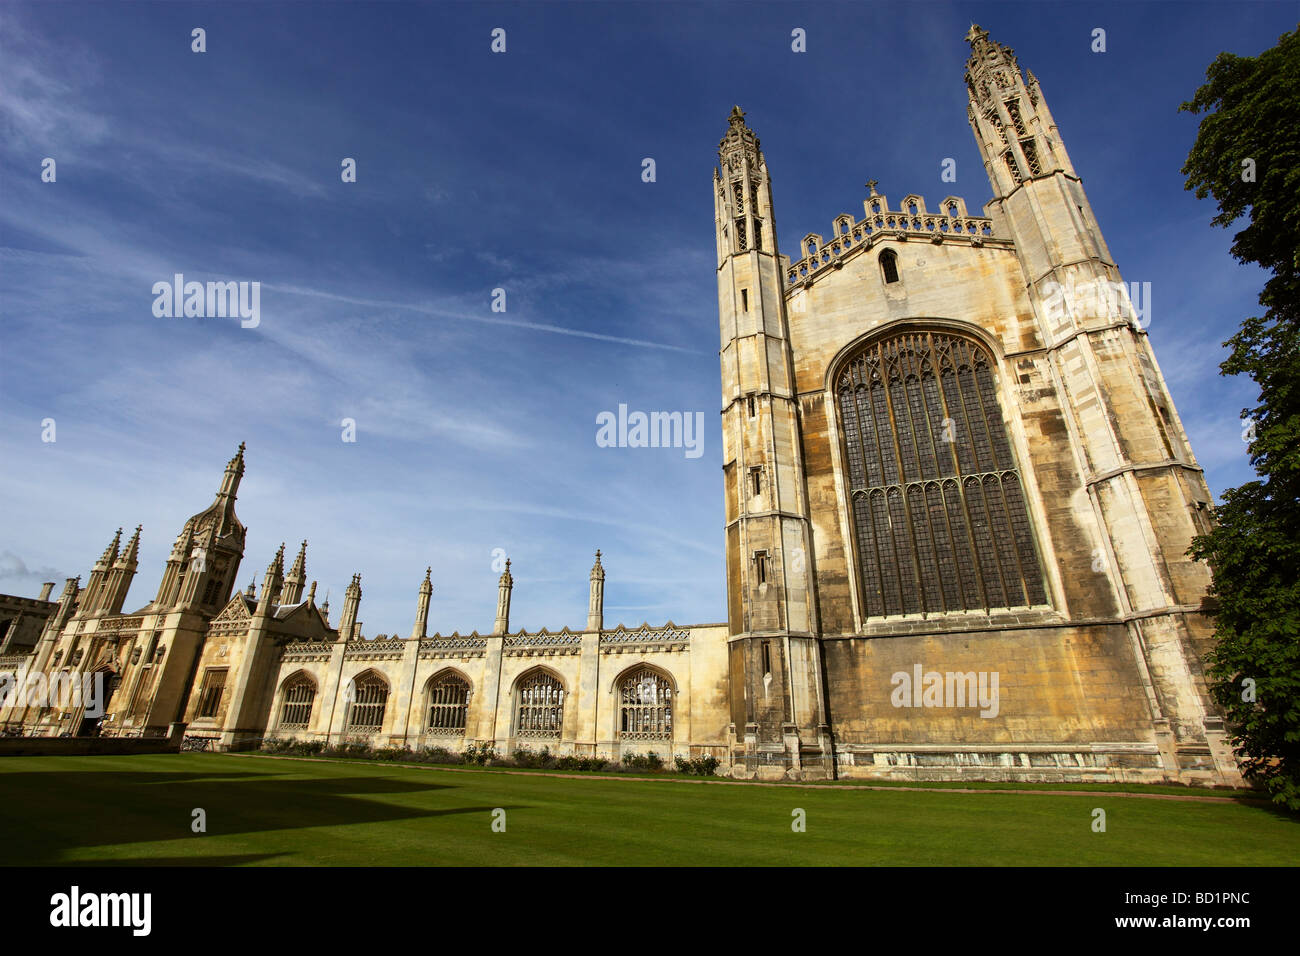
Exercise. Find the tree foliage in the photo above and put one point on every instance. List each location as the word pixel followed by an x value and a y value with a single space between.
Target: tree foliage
pixel 1251 111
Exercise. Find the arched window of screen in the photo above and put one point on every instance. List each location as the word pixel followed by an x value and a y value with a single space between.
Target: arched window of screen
pixel 937 504
pixel 645 705
pixel 299 694
pixel 448 703
pixel 369 701
pixel 539 705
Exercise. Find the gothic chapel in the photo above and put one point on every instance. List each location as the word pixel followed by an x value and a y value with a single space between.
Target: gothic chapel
pixel 958 499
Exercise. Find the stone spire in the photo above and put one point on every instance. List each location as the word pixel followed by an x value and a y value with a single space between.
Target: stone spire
pixel 504 586
pixel 67 605
pixel 348 628
pixel 739 140
pixel 596 602
pixel 742 205
pixel 170 586
pixel 207 572
pixel 1013 127
pixel 219 519
pixel 130 557
pixel 118 580
pixel 421 628
pixel 96 586
pixel 292 591
pixel 234 472
pixel 110 553
pixel 272 582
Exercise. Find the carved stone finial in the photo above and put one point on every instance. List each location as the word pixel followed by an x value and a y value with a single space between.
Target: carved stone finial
pixel 871 184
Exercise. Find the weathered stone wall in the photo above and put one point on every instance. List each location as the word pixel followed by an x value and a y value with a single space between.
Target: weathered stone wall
pixel 695 663
pixel 1055 685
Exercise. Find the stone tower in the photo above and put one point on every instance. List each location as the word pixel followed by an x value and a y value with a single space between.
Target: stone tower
pixel 1143 484
pixel 197 582
pixel 205 575
pixel 775 664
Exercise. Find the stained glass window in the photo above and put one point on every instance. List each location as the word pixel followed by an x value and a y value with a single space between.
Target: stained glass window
pixel 936 500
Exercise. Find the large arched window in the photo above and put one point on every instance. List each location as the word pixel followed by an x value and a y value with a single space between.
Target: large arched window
pixel 645 705
pixel 937 505
pixel 299 694
pixel 539 708
pixel 369 700
pixel 448 704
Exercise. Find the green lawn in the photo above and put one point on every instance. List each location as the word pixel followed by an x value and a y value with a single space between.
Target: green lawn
pixel 129 810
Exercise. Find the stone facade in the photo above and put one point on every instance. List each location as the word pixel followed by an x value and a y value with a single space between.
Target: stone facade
pixel 237 668
pixel 949 451
pixel 22 620
pixel 958 499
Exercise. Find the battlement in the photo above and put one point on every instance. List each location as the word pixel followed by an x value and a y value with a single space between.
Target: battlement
pixel 912 219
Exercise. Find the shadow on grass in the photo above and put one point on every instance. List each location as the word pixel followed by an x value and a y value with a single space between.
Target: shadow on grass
pixel 49 815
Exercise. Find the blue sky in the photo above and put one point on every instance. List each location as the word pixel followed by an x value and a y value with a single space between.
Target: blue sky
pixel 476 430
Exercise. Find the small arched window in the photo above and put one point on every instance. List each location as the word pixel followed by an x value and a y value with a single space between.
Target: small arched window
pixel 299 694
pixel 936 501
pixel 212 592
pixel 448 704
pixel 889 265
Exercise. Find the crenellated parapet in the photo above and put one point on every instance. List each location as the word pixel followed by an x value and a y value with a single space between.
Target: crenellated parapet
pixel 911 220
pixel 645 639
pixel 543 643
pixel 453 646
pixel 374 650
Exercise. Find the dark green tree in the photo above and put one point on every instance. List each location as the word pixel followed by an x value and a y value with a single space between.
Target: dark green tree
pixel 1247 157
